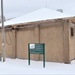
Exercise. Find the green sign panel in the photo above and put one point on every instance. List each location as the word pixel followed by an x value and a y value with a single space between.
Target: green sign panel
pixel 37 48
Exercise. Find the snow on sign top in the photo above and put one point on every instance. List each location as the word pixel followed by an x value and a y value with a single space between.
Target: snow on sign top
pixel 38 15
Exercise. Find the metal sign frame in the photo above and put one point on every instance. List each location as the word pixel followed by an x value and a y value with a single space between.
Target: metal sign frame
pixel 36 48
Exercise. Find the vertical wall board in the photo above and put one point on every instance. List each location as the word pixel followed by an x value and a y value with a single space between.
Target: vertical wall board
pixel 71 42
pixel 74 41
pixel 37 39
pixel 10 43
pixel 66 41
pixel 53 39
pixel 14 43
pixel 0 40
pixel 24 37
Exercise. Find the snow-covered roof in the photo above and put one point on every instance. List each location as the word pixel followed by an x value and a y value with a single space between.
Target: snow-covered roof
pixel 38 15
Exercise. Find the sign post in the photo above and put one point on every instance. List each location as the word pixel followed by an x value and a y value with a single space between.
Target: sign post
pixel 44 56
pixel 37 48
pixel 28 55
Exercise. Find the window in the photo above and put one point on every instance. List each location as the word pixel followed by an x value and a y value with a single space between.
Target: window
pixel 72 32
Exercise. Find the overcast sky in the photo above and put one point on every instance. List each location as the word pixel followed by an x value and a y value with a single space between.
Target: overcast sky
pixel 15 8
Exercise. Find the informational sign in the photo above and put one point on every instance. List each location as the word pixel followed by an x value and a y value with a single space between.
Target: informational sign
pixel 37 48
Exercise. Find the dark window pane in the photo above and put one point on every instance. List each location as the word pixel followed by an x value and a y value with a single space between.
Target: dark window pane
pixel 72 32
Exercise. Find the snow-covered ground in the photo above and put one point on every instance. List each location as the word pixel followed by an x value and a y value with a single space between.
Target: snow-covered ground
pixel 19 66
